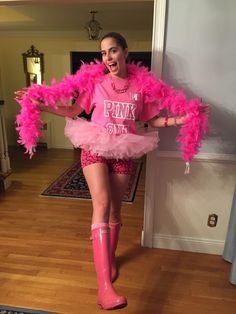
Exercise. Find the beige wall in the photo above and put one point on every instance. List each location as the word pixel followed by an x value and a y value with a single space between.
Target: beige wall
pixel 56 48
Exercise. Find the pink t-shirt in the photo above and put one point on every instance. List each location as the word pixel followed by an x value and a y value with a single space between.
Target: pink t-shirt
pixel 117 112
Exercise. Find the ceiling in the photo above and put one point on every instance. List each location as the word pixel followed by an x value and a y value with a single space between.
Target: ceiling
pixel 72 15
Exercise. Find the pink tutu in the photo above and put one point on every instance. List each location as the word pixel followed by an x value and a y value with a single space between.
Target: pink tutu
pixel 97 140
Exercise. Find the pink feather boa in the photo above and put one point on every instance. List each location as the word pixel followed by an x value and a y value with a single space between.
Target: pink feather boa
pixel 156 92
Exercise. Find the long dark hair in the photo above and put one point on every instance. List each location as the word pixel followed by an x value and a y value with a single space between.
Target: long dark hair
pixel 120 40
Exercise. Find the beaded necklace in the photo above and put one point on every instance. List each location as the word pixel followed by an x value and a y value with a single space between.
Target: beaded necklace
pixel 120 90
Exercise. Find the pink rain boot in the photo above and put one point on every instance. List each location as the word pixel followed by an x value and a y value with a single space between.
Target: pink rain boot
pixel 114 237
pixel 107 296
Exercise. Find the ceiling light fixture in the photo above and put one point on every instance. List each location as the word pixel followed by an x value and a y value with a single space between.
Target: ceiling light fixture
pixel 93 27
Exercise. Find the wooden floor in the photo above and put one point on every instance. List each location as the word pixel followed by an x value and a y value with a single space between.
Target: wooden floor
pixel 46 258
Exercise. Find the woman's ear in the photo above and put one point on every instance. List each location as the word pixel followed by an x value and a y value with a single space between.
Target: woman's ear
pixel 126 53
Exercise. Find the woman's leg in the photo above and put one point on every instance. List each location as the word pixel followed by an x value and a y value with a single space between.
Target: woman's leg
pixel 119 179
pixel 118 185
pixel 97 177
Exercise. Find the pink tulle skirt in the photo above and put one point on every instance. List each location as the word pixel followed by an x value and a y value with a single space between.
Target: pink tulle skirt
pixel 97 140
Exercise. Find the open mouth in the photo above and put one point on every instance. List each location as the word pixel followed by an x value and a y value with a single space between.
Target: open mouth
pixel 113 66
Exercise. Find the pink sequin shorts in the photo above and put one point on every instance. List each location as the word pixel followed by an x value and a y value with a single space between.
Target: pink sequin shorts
pixel 115 166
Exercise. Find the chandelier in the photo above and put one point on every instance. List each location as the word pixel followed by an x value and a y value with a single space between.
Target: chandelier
pixel 93 27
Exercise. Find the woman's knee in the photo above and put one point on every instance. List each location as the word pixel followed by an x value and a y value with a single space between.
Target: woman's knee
pixel 101 207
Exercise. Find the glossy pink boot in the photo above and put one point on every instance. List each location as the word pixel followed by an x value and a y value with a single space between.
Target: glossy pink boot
pixel 114 237
pixel 108 299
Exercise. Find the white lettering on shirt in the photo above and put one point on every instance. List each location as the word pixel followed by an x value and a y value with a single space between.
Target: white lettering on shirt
pixel 116 128
pixel 119 110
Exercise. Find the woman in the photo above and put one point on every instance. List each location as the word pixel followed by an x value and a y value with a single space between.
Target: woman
pixel 109 144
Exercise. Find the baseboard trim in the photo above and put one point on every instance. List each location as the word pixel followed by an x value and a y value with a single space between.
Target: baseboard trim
pixel 7 183
pixel 200 156
pixel 189 244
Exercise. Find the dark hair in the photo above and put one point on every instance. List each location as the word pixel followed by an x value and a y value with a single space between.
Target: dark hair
pixel 120 40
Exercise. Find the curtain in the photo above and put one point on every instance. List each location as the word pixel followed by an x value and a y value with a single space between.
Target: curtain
pixel 229 253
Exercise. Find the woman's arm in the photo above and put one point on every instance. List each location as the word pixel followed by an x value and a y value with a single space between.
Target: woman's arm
pixel 159 122
pixel 64 111
pixel 70 111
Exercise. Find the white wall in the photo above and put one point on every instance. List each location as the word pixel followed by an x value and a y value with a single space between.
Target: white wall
pixel 199 58
pixel 184 202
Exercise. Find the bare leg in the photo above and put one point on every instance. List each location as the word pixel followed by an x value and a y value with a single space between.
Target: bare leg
pixel 97 177
pixel 119 184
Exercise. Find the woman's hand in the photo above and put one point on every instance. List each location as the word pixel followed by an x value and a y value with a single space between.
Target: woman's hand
pixel 20 93
pixel 40 104
pixel 181 120
pixel 205 108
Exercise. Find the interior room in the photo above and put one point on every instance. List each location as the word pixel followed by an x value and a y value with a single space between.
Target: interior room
pixel 176 252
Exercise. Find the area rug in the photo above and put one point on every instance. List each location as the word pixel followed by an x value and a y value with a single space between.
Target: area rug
pixel 17 310
pixel 72 184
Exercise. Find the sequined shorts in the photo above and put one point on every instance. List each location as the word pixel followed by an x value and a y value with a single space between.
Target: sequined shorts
pixel 114 165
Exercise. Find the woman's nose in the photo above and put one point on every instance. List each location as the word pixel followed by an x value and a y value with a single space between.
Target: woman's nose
pixel 108 56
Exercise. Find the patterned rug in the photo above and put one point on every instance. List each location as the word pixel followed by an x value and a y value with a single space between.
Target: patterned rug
pixel 17 310
pixel 72 184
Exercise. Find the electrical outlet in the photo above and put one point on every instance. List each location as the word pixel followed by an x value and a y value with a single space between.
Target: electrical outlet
pixel 212 220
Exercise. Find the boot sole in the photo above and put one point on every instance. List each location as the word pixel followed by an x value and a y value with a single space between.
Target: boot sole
pixel 118 306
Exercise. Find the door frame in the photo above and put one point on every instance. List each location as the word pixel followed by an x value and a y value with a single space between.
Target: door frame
pixel 158 37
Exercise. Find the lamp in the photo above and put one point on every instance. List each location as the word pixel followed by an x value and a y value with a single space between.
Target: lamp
pixel 93 27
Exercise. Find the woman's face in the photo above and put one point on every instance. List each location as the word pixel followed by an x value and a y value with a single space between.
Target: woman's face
pixel 114 57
